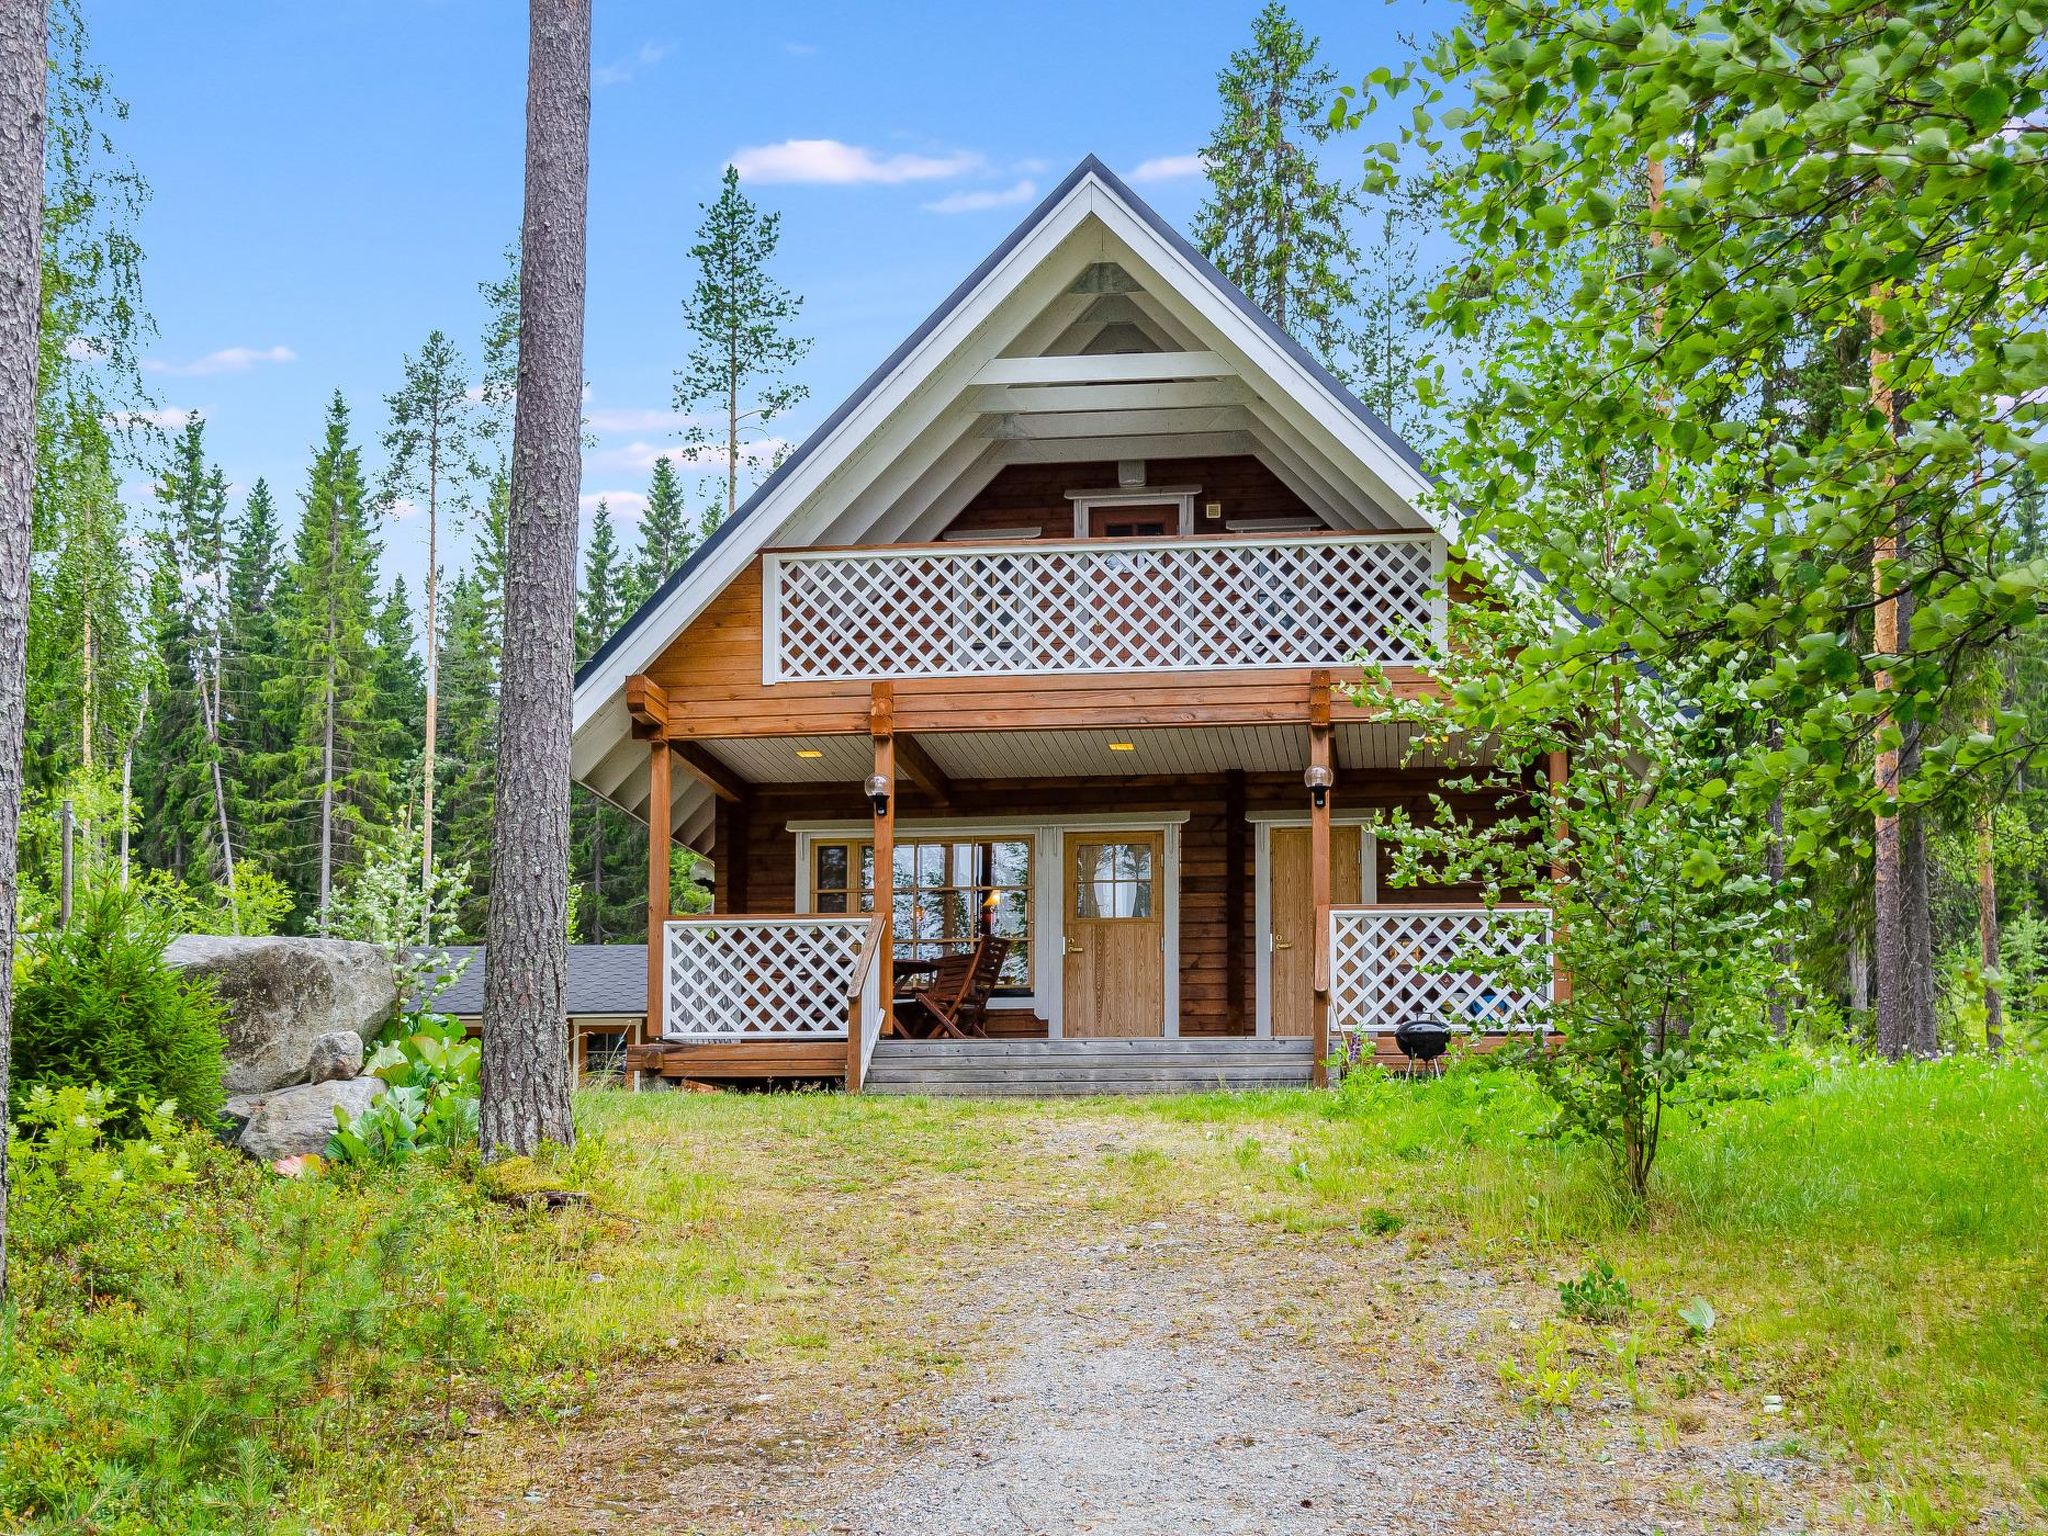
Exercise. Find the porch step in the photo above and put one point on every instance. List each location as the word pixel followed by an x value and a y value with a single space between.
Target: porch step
pixel 1041 1068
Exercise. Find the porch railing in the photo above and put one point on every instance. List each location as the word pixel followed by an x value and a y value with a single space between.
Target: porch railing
pixel 751 978
pixel 865 1017
pixel 1390 964
pixel 1132 605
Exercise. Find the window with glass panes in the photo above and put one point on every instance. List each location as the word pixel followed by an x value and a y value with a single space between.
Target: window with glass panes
pixel 948 892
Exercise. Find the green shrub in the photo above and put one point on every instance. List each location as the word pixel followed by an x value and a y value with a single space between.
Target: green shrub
pixel 95 1004
pixel 430 1097
pixel 1598 1296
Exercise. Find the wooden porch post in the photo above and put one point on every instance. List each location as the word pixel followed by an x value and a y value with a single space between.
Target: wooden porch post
pixel 882 726
pixel 1555 767
pixel 659 835
pixel 1320 755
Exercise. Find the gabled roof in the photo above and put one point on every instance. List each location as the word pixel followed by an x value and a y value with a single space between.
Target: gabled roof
pixel 909 425
pixel 604 979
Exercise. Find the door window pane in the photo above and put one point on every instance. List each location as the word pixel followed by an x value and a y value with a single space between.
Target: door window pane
pixel 1112 880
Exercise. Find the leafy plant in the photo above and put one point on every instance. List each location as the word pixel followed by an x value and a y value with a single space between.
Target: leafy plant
pixel 79 1197
pixel 1598 1296
pixel 96 1005
pixel 429 1100
pixel 389 904
pixel 1698 1316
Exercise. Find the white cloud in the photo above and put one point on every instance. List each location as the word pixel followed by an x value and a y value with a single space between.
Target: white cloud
pixel 974 202
pixel 402 508
pixel 634 419
pixel 169 419
pixel 624 506
pixel 643 57
pixel 1168 168
pixel 226 360
pixel 829 162
pixel 81 350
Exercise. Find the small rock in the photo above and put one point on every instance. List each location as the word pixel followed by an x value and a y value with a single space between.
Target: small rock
pixel 337 1056
pixel 297 1122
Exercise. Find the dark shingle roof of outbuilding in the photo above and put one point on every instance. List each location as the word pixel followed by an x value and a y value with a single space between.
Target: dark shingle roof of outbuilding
pixel 603 979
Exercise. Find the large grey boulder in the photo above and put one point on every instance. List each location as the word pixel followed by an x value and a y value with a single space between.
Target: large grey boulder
pixel 335 1057
pixel 283 994
pixel 296 1122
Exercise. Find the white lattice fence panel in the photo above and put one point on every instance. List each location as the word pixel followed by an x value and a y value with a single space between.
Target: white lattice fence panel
pixel 1141 606
pixel 752 977
pixel 1392 965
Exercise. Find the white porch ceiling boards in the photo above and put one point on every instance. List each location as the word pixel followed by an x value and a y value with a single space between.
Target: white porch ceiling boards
pixel 1363 747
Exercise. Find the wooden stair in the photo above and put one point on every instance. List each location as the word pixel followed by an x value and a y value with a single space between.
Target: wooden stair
pixel 1043 1068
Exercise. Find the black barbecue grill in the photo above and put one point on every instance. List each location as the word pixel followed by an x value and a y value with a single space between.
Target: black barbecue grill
pixel 1423 1042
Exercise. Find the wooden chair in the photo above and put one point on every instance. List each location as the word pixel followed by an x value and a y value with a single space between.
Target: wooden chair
pixel 954 1006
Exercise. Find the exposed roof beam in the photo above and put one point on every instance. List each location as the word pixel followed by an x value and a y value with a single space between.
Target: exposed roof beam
pixel 1082 425
pixel 920 768
pixel 1063 450
pixel 1158 395
pixel 710 771
pixel 1113 367
pixel 647 704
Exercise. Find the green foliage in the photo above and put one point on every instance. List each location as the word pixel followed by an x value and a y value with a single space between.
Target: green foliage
pixel 430 1099
pixel 91 1204
pixel 1600 1295
pixel 94 1004
pixel 393 903
pixel 259 904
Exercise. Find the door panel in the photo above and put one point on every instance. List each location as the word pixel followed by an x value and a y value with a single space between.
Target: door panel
pixel 1114 925
pixel 1133 522
pixel 1291 935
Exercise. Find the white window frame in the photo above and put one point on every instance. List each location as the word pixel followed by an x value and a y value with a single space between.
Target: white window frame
pixel 1183 496
pixel 1263 823
pixel 1048 897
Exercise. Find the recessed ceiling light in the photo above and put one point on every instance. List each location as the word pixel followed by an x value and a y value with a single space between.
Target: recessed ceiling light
pixel 1123 746
pixel 808 752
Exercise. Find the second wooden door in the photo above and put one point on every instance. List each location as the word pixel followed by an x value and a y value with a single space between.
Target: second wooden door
pixel 1291 918
pixel 1114 926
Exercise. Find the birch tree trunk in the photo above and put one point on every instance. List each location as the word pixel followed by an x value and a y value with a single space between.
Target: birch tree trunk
pixel 24 50
pixel 525 1088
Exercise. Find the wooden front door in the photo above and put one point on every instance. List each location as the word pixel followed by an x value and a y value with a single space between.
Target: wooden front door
pixel 1132 522
pixel 1115 932
pixel 1291 919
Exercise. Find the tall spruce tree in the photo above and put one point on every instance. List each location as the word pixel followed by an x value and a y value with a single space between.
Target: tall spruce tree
pixel 598 607
pixel 604 862
pixel 1273 223
pixel 433 422
pixel 256 741
pixel 176 828
pixel 741 347
pixel 399 689
pixel 666 535
pixel 338 783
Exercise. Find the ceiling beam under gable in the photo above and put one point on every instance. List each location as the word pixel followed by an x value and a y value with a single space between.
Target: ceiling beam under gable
pixel 1081 425
pixel 1311 483
pixel 1158 395
pixel 920 470
pixel 1189 445
pixel 1104 368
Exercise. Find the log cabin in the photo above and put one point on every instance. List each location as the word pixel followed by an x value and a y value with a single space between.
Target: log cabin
pixel 1049 629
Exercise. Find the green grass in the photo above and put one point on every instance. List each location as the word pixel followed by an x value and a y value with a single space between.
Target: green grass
pixel 1875 1247
pixel 365 1353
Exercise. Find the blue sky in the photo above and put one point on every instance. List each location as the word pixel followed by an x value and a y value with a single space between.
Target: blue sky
pixel 331 180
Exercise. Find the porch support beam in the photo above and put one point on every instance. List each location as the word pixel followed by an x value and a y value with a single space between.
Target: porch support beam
pixel 1321 754
pixel 647 704
pixel 882 730
pixel 659 801
pixel 922 770
pixel 707 769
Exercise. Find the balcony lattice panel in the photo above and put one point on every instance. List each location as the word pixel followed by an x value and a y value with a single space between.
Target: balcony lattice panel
pixel 1140 606
pixel 743 978
pixel 1389 965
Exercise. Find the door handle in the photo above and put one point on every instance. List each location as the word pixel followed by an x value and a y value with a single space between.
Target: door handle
pixel 1279 943
pixel 1071 948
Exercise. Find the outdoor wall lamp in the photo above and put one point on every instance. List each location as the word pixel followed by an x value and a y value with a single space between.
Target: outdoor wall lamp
pixel 878 793
pixel 1319 779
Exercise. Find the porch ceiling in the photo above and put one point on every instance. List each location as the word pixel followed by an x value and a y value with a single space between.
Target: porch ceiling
pixel 1366 746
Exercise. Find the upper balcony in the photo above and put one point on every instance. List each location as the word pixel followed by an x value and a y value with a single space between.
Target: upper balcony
pixel 1101 606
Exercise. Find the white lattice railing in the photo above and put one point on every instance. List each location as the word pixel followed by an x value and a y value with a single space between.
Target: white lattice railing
pixel 738 978
pixel 1131 605
pixel 1392 964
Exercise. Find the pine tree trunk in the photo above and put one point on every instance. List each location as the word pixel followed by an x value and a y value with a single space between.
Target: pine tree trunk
pixel 433 680
pixel 24 48
pixel 1887 850
pixel 525 1088
pixel 1915 897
